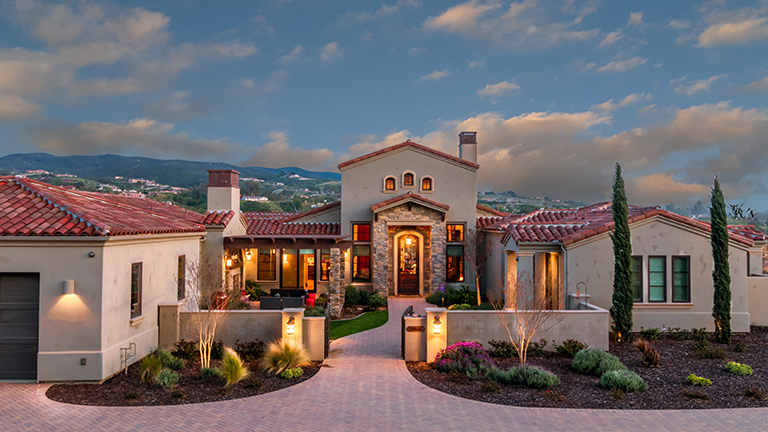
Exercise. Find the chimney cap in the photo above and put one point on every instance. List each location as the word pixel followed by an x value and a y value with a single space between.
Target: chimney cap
pixel 468 138
pixel 223 178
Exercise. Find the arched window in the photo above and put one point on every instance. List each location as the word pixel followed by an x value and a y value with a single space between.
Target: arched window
pixel 408 179
pixel 426 183
pixel 389 183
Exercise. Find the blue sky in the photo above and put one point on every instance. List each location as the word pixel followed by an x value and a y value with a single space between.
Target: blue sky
pixel 558 91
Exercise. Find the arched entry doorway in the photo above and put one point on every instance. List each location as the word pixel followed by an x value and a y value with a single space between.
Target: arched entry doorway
pixel 408 263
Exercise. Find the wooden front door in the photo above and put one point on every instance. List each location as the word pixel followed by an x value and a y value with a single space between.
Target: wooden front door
pixel 408 265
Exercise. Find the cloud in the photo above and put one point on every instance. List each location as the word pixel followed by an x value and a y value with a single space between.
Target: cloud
pixel 436 75
pixel 622 66
pixel 629 99
pixel 697 86
pixel 15 107
pixel 330 51
pixel 679 24
pixel 278 153
pixel 497 89
pixel 294 55
pixel 521 26
pixel 475 64
pixel 178 106
pixel 635 19
pixel 761 84
pixel 142 136
pixel 384 11
pixel 734 33
pixel 416 51
pixel 610 38
pixel 665 189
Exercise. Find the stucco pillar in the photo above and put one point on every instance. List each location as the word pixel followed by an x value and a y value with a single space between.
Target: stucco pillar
pixel 297 338
pixel 525 280
pixel 436 342
pixel 755 261
pixel 168 324
pixel 335 288
pixel 510 301
pixel 493 278
pixel 380 254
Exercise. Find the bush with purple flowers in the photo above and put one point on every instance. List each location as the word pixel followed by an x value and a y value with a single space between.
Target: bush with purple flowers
pixel 464 357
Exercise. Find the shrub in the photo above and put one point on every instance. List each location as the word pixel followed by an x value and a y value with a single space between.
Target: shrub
pixel 497 375
pixel 210 373
pixel 699 381
pixel 186 350
pixel 490 387
pixel 707 351
pixel 651 356
pixel 681 335
pixel 755 394
pixel 458 378
pixel 502 349
pixel 217 350
pixel 554 396
pixel 232 368
pixel 167 378
pixel 467 357
pixel 596 362
pixel 452 296
pixel 617 393
pixel 250 351
pixel 291 373
pixel 150 367
pixel 650 334
pixel 168 360
pixel 253 382
pixel 536 349
pixel 351 296
pixel 281 355
pixel 178 394
pixel 377 300
pixel 569 348
pixel 321 301
pixel 462 306
pixel 131 395
pixel 482 306
pixel 739 369
pixel 693 394
pixel 739 347
pixel 317 311
pixel 699 334
pixel 253 289
pixel 533 377
pixel 624 380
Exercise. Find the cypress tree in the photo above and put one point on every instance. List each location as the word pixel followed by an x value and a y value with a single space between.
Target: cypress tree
pixel 623 299
pixel 721 276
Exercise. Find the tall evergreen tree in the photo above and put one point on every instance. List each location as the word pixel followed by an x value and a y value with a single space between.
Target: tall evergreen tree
pixel 623 299
pixel 721 275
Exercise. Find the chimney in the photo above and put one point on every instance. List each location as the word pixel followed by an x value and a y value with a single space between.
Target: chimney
pixel 468 146
pixel 223 190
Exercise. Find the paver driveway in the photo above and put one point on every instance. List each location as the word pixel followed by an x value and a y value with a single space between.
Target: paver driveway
pixel 366 387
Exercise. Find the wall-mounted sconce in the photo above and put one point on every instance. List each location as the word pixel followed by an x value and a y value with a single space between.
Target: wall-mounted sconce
pixel 437 326
pixel 290 326
pixel 69 287
pixel 346 254
pixel 91 254
pixel 285 258
pixel 248 254
pixel 229 262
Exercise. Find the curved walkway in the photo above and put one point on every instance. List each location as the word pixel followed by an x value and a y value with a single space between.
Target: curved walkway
pixel 365 387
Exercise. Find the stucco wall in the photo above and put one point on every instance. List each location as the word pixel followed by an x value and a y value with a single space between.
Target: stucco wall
pixel 591 261
pixel 589 326
pixel 758 300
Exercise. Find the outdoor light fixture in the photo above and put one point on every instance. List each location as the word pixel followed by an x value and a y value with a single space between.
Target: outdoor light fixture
pixel 290 326
pixel 408 241
pixel 248 254
pixel 229 262
pixel 437 326
pixel 69 287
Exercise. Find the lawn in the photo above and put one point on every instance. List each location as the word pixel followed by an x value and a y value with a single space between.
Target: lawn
pixel 367 321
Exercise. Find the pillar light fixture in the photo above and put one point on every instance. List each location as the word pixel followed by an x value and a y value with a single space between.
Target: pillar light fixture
pixel 290 326
pixel 437 326
pixel 229 262
pixel 69 287
pixel 248 255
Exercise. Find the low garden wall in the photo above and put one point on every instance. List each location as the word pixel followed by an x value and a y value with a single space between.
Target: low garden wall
pixel 587 326
pixel 758 300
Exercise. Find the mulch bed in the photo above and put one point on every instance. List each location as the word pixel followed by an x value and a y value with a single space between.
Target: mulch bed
pixel 667 382
pixel 127 389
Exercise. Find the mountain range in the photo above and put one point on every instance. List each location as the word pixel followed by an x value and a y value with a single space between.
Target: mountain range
pixel 180 173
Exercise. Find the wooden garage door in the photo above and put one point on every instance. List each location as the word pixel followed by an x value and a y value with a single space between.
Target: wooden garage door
pixel 19 322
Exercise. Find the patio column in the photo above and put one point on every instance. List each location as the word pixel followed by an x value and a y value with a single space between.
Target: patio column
pixel 380 254
pixel 335 289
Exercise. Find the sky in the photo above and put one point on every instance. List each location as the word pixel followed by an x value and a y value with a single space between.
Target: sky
pixel 559 91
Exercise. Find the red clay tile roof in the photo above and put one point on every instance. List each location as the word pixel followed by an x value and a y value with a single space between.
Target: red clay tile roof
pixel 32 208
pixel 327 207
pixel 152 206
pixel 221 217
pixel 412 145
pixel 410 196
pixel 749 231
pixel 490 210
pixel 573 225
pixel 273 227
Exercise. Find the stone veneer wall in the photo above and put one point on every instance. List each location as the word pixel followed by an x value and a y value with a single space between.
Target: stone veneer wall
pixel 765 259
pixel 383 244
pixel 336 288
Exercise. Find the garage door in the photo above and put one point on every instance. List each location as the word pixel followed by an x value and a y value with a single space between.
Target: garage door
pixel 19 322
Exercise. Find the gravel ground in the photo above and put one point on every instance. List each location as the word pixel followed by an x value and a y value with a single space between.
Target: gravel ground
pixel 667 381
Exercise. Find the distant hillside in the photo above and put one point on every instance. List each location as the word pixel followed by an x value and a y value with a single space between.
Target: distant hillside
pixel 179 173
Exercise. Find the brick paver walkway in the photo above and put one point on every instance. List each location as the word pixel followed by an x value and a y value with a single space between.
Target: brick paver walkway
pixel 366 387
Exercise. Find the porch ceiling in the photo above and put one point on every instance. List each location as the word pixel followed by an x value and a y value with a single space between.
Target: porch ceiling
pixel 287 242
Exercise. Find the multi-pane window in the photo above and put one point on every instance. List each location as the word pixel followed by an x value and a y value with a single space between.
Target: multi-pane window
pixel 657 275
pixel 325 264
pixel 136 276
pixel 637 278
pixel 681 279
pixel 266 264
pixel 426 184
pixel 408 179
pixel 389 184
pixel 361 252
pixel 454 260
pixel 181 277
